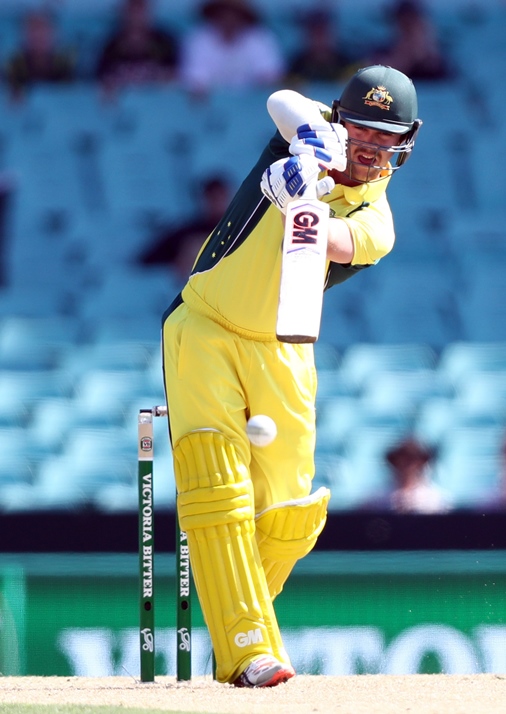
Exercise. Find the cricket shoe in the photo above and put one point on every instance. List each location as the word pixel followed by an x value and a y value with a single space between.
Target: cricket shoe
pixel 266 671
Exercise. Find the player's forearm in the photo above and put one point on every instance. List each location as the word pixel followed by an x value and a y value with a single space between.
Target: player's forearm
pixel 340 247
pixel 289 110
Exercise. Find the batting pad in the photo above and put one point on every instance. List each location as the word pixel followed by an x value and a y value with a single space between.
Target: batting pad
pixel 216 509
pixel 286 532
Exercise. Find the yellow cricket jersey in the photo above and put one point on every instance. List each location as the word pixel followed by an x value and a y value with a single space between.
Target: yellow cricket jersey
pixel 235 279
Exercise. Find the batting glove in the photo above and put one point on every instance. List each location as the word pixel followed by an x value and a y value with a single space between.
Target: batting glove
pixel 288 179
pixel 326 142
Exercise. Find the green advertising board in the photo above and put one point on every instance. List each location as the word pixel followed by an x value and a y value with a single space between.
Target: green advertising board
pixel 340 613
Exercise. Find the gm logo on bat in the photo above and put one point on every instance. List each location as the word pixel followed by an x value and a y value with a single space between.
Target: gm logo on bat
pixel 305 229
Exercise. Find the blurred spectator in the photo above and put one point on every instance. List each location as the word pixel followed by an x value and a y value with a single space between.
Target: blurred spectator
pixel 230 47
pixel 320 57
pixel 39 59
pixel 413 490
pixel 178 246
pixel 138 52
pixel 415 48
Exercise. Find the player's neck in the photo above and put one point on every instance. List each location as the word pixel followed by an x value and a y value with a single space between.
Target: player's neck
pixel 343 179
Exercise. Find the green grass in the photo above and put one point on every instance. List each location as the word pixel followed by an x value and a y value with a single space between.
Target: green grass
pixel 76 709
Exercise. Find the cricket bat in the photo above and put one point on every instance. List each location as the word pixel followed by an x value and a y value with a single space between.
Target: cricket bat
pixel 302 271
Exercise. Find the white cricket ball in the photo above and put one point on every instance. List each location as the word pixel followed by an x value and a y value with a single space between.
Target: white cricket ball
pixel 261 430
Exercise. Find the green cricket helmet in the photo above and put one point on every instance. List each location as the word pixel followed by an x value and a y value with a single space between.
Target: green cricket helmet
pixel 384 99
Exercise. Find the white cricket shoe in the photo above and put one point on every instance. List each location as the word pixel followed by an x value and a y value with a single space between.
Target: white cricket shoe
pixel 265 671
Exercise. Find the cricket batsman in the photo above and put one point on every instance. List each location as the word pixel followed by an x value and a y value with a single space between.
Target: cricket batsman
pixel 249 512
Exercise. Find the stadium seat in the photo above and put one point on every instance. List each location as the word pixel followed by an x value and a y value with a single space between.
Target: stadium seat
pixel 15 467
pixel 357 480
pixel 348 485
pixel 143 190
pixel 343 320
pixel 20 391
pixel 340 418
pixel 326 356
pixel 361 361
pixel 63 480
pixel 332 384
pixel 116 356
pixel 414 302
pixel 468 463
pixel 405 390
pixel 36 343
pixel 87 442
pixel 54 419
pixel 483 303
pixel 98 388
pixel 460 361
pixel 483 392
pixel 128 292
pixel 145 329
pixel 438 416
pixel 38 302
pixel 68 112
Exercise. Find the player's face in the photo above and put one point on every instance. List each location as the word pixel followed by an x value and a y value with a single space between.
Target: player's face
pixel 368 152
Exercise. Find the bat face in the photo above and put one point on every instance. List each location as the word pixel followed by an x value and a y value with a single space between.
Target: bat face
pixel 302 271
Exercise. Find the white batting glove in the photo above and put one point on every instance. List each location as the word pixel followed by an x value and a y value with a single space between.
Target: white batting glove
pixel 325 141
pixel 288 179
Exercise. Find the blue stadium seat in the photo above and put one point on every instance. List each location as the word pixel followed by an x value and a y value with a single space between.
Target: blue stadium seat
pixel 439 416
pixel 20 495
pixel 350 483
pixel 21 391
pixel 405 390
pixel 224 127
pixel 332 384
pixel 113 391
pixel 339 419
pixel 344 311
pixel 36 343
pixel 483 392
pixel 17 473
pixel 460 361
pixel 468 463
pixel 71 112
pixel 145 329
pixel 326 356
pixel 85 443
pixel 361 361
pixel 483 303
pixel 63 481
pixel 129 292
pixel 122 355
pixel 143 189
pixel 354 481
pixel 414 302
pixel 372 442
pixel 54 419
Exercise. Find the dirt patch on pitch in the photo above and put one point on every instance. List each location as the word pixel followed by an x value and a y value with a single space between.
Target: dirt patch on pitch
pixel 367 694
